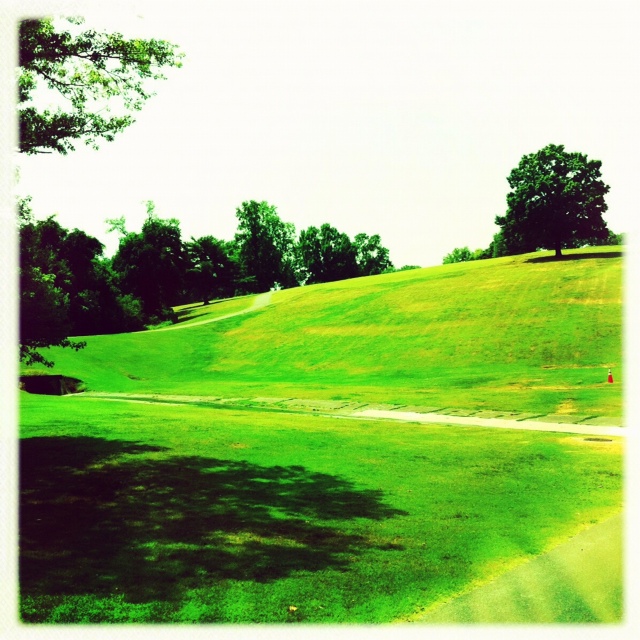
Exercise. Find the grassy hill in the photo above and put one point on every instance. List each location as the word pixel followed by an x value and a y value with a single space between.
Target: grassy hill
pixel 524 333
pixel 143 512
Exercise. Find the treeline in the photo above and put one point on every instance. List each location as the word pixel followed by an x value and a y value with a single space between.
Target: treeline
pixel 500 247
pixel 69 288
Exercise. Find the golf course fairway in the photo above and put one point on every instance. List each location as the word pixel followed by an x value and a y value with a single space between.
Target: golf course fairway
pixel 262 499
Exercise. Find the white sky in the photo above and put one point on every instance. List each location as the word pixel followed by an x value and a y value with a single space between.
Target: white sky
pixel 393 117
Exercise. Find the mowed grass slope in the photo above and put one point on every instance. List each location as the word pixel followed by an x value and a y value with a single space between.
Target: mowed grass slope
pixel 525 333
pixel 181 513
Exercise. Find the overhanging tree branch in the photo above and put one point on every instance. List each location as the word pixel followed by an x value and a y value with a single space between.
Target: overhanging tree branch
pixel 89 69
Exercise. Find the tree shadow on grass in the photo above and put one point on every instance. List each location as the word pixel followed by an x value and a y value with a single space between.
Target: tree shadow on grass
pixel 576 256
pixel 108 517
pixel 190 312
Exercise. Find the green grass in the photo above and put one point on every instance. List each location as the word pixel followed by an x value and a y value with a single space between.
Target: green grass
pixel 151 513
pixel 159 513
pixel 523 333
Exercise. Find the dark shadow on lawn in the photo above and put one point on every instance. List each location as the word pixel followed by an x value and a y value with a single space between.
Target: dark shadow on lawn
pixel 188 313
pixel 577 256
pixel 109 517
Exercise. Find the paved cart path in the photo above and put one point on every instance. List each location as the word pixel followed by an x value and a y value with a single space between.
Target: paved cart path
pixel 500 423
pixel 580 580
pixel 338 410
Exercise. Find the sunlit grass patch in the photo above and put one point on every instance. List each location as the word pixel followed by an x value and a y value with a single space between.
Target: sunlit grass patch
pixel 521 334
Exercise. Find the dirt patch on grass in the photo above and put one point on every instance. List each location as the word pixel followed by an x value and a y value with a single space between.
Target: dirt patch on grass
pixel 603 443
pixel 527 386
pixel 566 408
pixel 575 366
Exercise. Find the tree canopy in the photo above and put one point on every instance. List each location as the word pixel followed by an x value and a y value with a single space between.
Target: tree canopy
pixel 266 247
pixel 556 202
pixel 151 265
pixel 44 303
pixel 327 255
pixel 371 257
pixel 97 80
pixel 459 254
pixel 66 289
pixel 213 269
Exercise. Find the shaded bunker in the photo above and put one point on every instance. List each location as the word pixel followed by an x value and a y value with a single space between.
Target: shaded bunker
pixel 51 385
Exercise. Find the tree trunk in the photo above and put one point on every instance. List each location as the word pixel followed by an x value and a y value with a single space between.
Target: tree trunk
pixel 558 249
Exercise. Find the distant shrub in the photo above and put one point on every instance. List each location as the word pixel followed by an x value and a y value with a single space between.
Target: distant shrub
pixel 130 313
pixel 407 267
pixel 614 239
pixel 462 254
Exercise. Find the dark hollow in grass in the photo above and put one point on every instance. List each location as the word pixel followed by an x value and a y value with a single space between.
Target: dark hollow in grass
pixel 108 517
pixel 50 385
pixel 598 440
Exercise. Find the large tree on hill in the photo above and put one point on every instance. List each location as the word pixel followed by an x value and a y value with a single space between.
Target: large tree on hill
pixel 84 85
pixel 556 202
pixel 44 304
pixel 66 289
pixel 327 254
pixel 266 247
pixel 151 265
pixel 212 270
pixel 371 257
